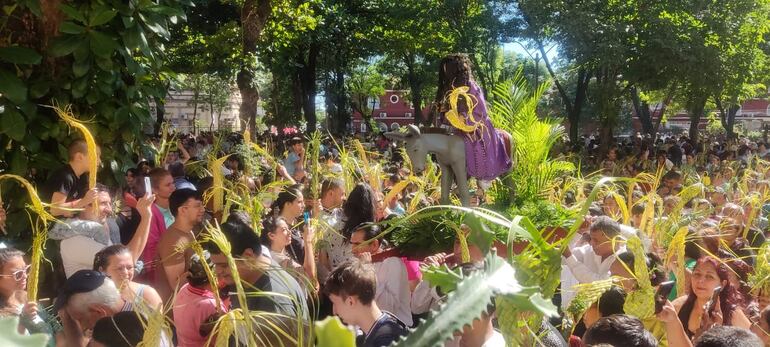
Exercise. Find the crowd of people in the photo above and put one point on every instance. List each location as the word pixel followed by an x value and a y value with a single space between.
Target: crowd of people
pixel 109 263
pixel 724 215
pixel 678 259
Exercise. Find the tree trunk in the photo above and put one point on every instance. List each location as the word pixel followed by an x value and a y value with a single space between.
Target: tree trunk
pixel 296 93
pixel 573 113
pixel 195 111
pixel 727 116
pixel 211 126
pixel 160 113
pixel 642 110
pixel 573 109
pixel 343 116
pixel 254 14
pixel 697 106
pixel 308 84
pixel 415 86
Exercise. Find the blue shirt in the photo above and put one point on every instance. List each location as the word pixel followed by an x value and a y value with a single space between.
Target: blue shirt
pixel 291 163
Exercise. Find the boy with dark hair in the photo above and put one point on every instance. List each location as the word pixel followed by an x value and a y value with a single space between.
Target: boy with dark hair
pixel 351 288
pixel 393 292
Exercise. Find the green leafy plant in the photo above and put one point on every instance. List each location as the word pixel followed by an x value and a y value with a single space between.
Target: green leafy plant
pixel 470 300
pixel 105 58
pixel 514 110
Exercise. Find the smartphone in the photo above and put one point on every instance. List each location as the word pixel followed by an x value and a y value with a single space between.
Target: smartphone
pixel 661 295
pixel 147 186
pixel 710 306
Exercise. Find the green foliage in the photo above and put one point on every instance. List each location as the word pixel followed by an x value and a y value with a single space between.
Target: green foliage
pixel 102 57
pixel 330 332
pixel 470 300
pixel 365 84
pixel 515 111
pixel 544 214
pixel 9 335
pixel 426 236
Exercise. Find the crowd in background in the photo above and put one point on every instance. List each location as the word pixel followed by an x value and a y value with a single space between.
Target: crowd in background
pixel 109 262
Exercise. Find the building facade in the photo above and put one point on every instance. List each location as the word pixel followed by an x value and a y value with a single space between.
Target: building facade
pixel 390 111
pixel 181 113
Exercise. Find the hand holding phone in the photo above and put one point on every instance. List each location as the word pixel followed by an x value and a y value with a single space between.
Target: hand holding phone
pixel 661 295
pixel 711 305
pixel 147 186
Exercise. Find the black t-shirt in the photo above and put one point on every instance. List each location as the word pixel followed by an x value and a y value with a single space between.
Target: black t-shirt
pixel 66 182
pixel 384 331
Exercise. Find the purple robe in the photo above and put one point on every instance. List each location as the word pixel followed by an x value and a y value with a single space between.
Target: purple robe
pixel 485 154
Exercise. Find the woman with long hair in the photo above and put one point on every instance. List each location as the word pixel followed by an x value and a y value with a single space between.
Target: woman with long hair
pixel 289 205
pixel 276 235
pixel 360 207
pixel 710 273
pixel 486 156
pixel 117 263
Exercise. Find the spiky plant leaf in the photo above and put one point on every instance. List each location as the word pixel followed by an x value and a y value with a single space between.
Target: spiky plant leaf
pixel 470 300
pixel 443 277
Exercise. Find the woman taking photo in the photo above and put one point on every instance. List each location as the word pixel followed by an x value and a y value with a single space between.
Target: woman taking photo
pixel 276 235
pixel 117 263
pixel 708 274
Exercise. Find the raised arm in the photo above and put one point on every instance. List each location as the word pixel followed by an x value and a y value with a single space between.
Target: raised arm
pixel 309 264
pixel 185 155
pixel 139 241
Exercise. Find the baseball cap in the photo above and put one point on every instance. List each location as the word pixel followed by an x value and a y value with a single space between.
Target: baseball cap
pixel 82 281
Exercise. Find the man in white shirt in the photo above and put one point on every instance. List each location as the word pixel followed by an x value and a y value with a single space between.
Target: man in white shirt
pixel 88 233
pixel 393 293
pixel 592 262
pixel 334 249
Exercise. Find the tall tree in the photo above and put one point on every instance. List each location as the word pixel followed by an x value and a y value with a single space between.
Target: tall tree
pixel 365 84
pixel 254 15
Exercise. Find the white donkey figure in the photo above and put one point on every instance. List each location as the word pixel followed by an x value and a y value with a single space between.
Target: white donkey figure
pixel 450 156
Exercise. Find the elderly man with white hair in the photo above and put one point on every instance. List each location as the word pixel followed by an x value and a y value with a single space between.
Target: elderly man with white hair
pixel 86 297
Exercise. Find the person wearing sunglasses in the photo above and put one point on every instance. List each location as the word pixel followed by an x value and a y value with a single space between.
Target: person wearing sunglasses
pixel 13 295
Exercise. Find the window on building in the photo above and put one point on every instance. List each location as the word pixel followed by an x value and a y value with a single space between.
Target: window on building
pixel 408 115
pixel 383 114
pixel 375 102
pixel 382 126
pixel 394 126
pixel 363 127
pixel 393 99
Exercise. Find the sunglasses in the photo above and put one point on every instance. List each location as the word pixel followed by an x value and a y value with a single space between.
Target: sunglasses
pixel 19 275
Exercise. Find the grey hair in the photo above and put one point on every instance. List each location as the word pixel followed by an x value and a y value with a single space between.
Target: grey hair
pixel 106 295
